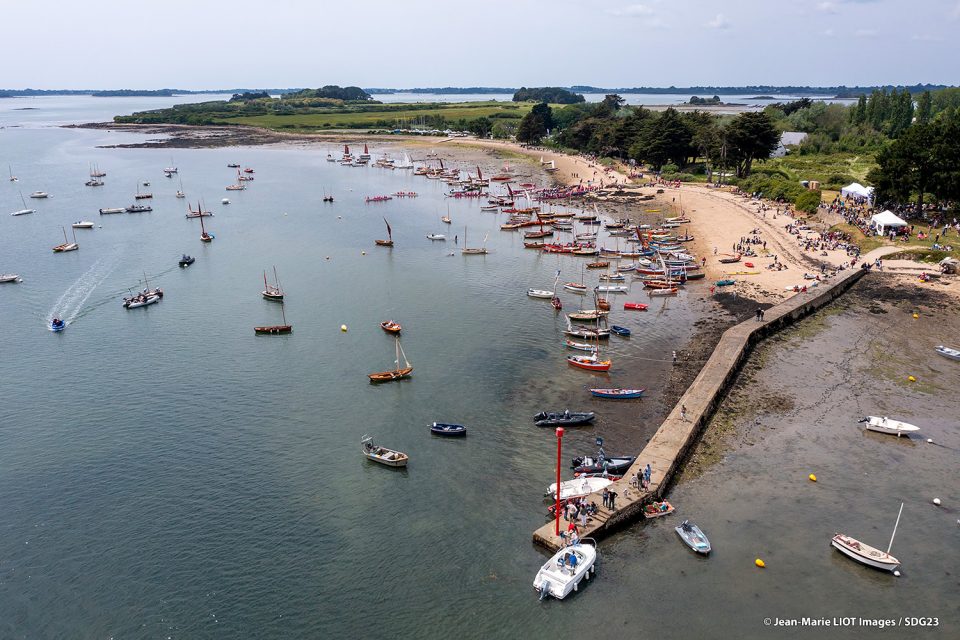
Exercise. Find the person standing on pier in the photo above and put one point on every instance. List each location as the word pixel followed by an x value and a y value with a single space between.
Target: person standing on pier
pixel 606 497
pixel 613 500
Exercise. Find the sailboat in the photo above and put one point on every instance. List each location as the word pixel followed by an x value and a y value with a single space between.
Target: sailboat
pixel 204 236
pixel 446 219
pixel 94 180
pixel 276 329
pixel 96 173
pixel 591 362
pixel 576 287
pixel 272 292
pixel 396 374
pixel 67 245
pixel 405 164
pixel 547 295
pixel 473 252
pixel 239 186
pixel 389 241
pixel 142 196
pixel 180 193
pixel 25 210
pixel 13 178
pixel 865 554
pixel 199 213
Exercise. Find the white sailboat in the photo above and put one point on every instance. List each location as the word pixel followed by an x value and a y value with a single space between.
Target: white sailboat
pixel 407 163
pixel 180 193
pixel 67 245
pixel 25 210
pixel 474 252
pixel 864 553
pixel 13 178
pixel 541 293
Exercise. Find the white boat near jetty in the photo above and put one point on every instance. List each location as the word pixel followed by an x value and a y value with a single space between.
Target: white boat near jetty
pixel 10 277
pixel 864 553
pixel 578 487
pixel 564 571
pixel 947 352
pixel 540 293
pixel 887 425
pixel 384 456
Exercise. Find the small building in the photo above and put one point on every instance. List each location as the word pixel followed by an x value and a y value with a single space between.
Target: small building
pixel 788 139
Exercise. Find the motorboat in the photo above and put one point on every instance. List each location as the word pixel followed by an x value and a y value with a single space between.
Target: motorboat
pixel 564 571
pixel 225 201
pixel 590 363
pixel 693 537
pixel 57 325
pixel 578 487
pixel 947 352
pixel 446 429
pixel 615 466
pixel 382 455
pixel 139 208
pixel 436 236
pixel 563 419
pixel 39 195
pixel 620 331
pixel 141 300
pixel 109 210
pixel 82 224
pixel 10 277
pixel 186 261
pixel 657 510
pixel 390 326
pixel 540 293
pixel 888 425
pixel 617 394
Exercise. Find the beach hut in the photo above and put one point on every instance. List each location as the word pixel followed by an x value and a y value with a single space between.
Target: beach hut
pixel 857 190
pixel 886 221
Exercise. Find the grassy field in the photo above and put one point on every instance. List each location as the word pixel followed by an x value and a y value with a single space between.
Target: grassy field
pixel 831 170
pixel 919 250
pixel 391 115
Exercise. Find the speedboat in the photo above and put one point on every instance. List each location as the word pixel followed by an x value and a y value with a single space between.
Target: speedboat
pixel 564 419
pixel 616 465
pixel 39 194
pixel 9 277
pixel 578 487
pixel 82 224
pixel 57 325
pixel 563 572
pixel 887 425
pixel 947 352
pixel 386 457
pixel 445 429
pixel 540 293
pixel 186 261
pixel 436 236
pixel 693 537
pixel 225 201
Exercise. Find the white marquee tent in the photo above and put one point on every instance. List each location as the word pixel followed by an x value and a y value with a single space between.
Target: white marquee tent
pixel 856 190
pixel 885 221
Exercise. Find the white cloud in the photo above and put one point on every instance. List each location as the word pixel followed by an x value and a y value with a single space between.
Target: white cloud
pixel 720 22
pixel 632 11
pixel 827 7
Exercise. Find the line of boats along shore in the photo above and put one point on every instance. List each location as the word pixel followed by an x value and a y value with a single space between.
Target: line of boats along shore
pixel 657 258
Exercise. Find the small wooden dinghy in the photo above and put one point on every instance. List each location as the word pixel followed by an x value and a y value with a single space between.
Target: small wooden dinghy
pixel 389 241
pixel 663 292
pixel 947 352
pixel 602 264
pixel 590 363
pixel 888 425
pixel 657 510
pixel 635 306
pixel 693 537
pixel 390 326
pixel 729 259
pixel 617 394
pixel 386 457
pixel 396 374
pixel 579 346
pixel 445 429
pixel 564 571
pixel 273 330
pixel 540 293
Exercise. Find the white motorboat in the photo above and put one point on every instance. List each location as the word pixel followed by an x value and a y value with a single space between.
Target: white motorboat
pixel 436 236
pixel 225 201
pixel 578 487
pixel 888 425
pixel 384 456
pixel 540 293
pixel 39 194
pixel 10 277
pixel 140 301
pixel 82 224
pixel 693 537
pixel 613 288
pixel 864 553
pixel 563 572
pixel 108 210
pixel 946 352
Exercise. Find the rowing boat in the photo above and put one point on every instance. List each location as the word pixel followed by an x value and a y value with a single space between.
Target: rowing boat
pixel 617 394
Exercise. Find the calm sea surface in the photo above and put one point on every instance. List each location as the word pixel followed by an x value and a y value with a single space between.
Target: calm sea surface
pixel 166 473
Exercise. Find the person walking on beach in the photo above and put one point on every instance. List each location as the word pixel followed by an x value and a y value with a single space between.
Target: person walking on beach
pixel 759 314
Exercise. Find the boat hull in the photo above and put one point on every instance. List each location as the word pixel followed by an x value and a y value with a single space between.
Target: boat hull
pixel 617 394
pixel 390 376
pixel 863 553
pixel 448 430
pixel 273 330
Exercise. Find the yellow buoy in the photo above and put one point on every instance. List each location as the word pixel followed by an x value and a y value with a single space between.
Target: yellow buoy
pixel 760 563
pixel 812 477
pixel 916 315
pixel 343 328
pixel 911 379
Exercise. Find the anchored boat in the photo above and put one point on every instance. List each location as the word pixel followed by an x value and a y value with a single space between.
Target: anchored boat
pixel 864 553
pixel 396 374
pixel 382 455
pixel 563 572
pixel 887 425
pixel 693 537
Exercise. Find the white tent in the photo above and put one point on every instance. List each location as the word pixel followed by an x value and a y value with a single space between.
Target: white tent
pixel 885 221
pixel 856 190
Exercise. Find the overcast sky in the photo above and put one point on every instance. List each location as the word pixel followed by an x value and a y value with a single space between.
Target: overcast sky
pixel 195 44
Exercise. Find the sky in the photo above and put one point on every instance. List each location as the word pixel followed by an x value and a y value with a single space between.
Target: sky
pixel 198 44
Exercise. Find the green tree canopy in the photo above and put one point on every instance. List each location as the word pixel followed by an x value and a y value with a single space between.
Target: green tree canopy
pixel 749 137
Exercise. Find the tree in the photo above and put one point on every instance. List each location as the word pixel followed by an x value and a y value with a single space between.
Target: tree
pixel 858 114
pixel 667 138
pixel 480 127
pixel 924 108
pixel 750 136
pixel 907 166
pixel 610 105
pixel 545 113
pixel 535 124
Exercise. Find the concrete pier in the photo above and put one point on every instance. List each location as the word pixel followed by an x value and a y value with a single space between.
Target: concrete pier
pixel 670 445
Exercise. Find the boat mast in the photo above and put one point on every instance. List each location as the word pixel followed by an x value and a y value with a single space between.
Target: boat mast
pixel 895 528
pixel 277 278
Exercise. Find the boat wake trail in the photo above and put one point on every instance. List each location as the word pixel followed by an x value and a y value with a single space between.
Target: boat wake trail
pixel 70 304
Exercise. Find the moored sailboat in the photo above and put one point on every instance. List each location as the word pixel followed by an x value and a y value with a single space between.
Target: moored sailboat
pixel 272 292
pixel 395 374
pixel 389 241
